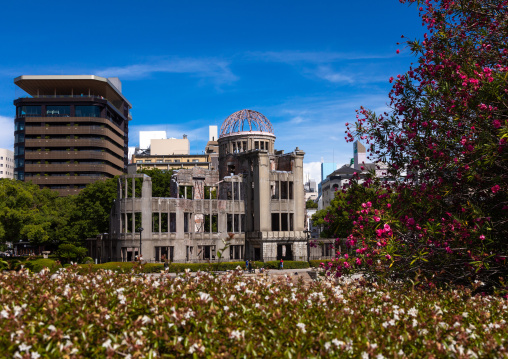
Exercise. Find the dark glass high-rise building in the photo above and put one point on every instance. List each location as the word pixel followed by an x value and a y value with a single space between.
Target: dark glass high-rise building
pixel 71 131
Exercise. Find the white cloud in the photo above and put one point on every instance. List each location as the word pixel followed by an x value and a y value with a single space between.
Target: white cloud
pixel 319 128
pixel 312 170
pixel 326 73
pixel 316 57
pixel 7 133
pixel 215 69
pixel 334 67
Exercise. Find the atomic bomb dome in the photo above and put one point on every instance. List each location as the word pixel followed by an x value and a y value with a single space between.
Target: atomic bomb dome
pixel 245 121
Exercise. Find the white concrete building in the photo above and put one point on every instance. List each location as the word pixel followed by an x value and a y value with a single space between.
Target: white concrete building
pixel 6 163
pixel 170 146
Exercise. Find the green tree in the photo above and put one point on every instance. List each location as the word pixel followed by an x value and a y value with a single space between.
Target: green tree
pixel 29 213
pixel 161 181
pixel 445 142
pixel 69 252
pixel 311 204
pixel 92 208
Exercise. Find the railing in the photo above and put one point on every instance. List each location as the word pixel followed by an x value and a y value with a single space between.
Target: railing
pixel 65 96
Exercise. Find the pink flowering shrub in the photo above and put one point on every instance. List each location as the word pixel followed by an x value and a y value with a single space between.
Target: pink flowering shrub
pixel 442 210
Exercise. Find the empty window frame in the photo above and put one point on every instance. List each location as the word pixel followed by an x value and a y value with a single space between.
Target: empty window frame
pixel 160 222
pixel 187 217
pixel 236 252
pixel 189 253
pixel 236 223
pixel 229 223
pixel 274 189
pixel 185 192
pixel 172 222
pixel 211 223
pixel 210 192
pixel 284 222
pixel 164 253
pixel 283 190
pixel 206 252
pixel 327 249
pixel 155 222
pixel 132 222
pixel 275 222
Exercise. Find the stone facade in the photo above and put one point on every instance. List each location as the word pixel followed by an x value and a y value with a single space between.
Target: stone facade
pixel 251 207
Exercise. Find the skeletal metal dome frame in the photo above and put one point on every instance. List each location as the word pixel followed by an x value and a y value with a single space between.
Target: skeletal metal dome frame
pixel 245 121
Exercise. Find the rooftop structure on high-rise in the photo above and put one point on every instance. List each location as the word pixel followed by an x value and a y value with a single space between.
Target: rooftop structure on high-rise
pixel 72 130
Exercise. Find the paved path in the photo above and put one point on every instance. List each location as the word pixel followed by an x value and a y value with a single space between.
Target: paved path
pixel 305 273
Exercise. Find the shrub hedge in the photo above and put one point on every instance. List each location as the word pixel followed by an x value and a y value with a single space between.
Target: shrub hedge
pixel 123 267
pixel 287 264
pixel 315 263
pixel 39 264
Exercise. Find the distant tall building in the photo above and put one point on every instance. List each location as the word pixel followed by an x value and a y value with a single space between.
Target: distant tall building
pixel 360 154
pixel 72 131
pixel 212 147
pixel 212 133
pixel 6 163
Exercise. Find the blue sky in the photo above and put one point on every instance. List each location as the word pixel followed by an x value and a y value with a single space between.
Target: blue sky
pixel 185 65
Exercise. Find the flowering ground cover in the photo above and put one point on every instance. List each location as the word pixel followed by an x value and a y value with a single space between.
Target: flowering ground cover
pixel 108 314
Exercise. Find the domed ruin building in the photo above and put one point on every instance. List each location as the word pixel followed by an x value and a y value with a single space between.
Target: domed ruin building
pixel 254 201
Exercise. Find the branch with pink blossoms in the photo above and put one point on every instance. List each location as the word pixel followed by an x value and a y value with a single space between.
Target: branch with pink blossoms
pixel 445 143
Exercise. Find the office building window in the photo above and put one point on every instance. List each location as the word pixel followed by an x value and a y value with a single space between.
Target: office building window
pixel 88 111
pixel 20 125
pixel 56 111
pixel 19 150
pixel 29 111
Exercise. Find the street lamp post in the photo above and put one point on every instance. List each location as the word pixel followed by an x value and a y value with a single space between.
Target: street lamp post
pixel 140 230
pixel 307 233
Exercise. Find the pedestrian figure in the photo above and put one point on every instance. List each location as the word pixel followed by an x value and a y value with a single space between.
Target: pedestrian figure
pixel 166 263
pixel 246 265
pixel 250 266
pixel 281 264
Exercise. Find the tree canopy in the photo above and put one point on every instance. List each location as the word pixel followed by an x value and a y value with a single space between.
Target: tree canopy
pixel 28 213
pixel 39 216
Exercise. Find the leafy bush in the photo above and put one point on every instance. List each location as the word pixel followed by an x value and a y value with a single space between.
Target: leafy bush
pixel 87 260
pixel 181 267
pixel 287 264
pixel 194 267
pixel 440 214
pixel 153 267
pixel 316 263
pixel 113 266
pixel 232 315
pixel 39 264
pixel 69 252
